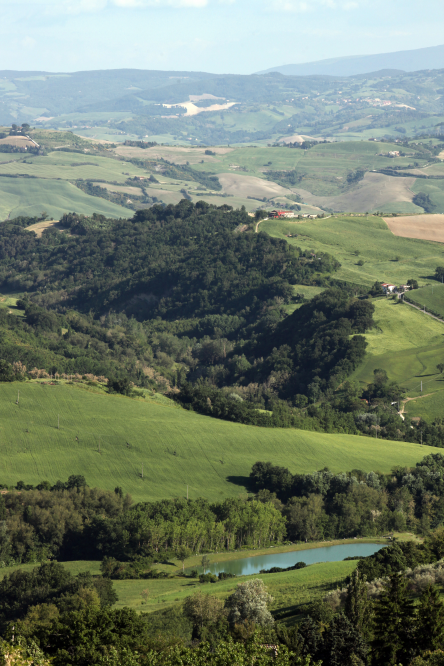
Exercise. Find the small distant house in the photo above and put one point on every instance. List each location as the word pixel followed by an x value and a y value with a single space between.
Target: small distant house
pixel 404 287
pixel 388 288
pixel 281 213
pixel 394 153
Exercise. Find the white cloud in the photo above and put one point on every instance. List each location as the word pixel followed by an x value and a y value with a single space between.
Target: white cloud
pixel 58 7
pixel 303 6
pixel 291 6
pixel 28 42
pixel 159 3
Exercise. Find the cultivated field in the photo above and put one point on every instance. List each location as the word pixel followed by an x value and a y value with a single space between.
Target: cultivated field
pixel 244 186
pixel 72 166
pixel 426 227
pixel 19 141
pixel 121 188
pixel 387 258
pixel 374 192
pixel 177 447
pixel 175 154
pixel 31 196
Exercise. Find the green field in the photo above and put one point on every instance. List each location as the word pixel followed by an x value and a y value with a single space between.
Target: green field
pixel 428 408
pixel 71 166
pixel 387 258
pixel 177 447
pixel 431 296
pixel 31 196
pixel 290 590
pixel 407 344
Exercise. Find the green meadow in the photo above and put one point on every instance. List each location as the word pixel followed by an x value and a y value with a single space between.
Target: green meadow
pixel 31 196
pixel 386 257
pixel 431 296
pixel 329 161
pixel 408 345
pixel 290 590
pixel 108 438
pixel 72 166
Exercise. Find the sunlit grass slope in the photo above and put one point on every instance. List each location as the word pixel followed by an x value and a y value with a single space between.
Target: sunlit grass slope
pixel 290 590
pixel 31 196
pixel 177 448
pixel 387 258
pixel 431 296
pixel 407 344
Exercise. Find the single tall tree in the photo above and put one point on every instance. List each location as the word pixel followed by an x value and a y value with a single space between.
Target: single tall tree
pixel 394 623
pixel 343 644
pixel 182 554
pixel 430 620
pixel 358 607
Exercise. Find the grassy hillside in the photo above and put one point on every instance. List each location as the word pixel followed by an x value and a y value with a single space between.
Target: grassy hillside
pixel 431 296
pixel 31 196
pixel 290 590
pixel 407 344
pixel 176 447
pixel 387 258
pixel 71 166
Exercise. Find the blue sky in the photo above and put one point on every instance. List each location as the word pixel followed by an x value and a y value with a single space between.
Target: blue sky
pixel 236 36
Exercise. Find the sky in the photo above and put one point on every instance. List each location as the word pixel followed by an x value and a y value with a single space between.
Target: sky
pixel 220 36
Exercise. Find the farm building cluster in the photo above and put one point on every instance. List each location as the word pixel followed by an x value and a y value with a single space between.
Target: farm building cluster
pixel 393 289
pixel 288 213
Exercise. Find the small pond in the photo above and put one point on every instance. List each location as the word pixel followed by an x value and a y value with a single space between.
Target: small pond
pixel 252 565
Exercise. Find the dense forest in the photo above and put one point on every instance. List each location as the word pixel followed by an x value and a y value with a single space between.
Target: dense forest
pixel 324 505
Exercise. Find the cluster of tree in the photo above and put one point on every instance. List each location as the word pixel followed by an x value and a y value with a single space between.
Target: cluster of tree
pixel 119 198
pixel 53 586
pixel 325 505
pixel 204 289
pixel 403 555
pixel 57 618
pixel 181 172
pixel 74 521
pixel 12 148
pixel 52 521
pixel 140 144
pixel 355 176
pixel 423 200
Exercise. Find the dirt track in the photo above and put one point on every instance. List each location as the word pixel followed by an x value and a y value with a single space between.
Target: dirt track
pixel 425 227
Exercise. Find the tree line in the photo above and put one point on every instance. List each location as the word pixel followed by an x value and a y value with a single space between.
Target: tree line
pixel 324 505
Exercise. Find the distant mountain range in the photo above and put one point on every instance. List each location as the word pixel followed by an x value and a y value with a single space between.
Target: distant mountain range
pixel 431 57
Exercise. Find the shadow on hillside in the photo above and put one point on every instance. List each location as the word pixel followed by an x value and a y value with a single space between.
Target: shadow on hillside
pixel 243 481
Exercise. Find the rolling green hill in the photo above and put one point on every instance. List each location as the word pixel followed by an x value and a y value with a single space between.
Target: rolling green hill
pixel 176 447
pixel 31 196
pixel 386 257
pixel 407 344
pixel 430 296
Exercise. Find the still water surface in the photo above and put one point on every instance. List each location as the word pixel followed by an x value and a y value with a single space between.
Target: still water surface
pixel 252 565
